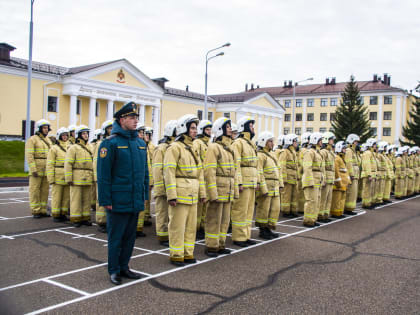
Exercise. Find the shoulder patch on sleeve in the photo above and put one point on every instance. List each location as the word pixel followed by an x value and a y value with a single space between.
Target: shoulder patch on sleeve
pixel 103 152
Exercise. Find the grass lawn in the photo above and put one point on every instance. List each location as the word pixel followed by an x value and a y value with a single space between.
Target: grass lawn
pixel 12 154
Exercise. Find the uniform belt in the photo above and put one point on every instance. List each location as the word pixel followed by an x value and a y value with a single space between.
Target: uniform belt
pixel 220 175
pixel 272 178
pixel 58 166
pixel 40 158
pixel 316 170
pixel 248 166
pixel 85 169
pixel 186 177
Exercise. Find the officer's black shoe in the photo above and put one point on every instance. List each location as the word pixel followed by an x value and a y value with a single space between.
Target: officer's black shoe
pixel 316 224
pixel 164 243
pixel 177 263
pixel 251 242
pixel 115 279
pixel 263 234
pixel 240 243
pixel 102 228
pixel 148 223
pixel 140 234
pixel 87 223
pixel 57 219
pixel 190 260
pixel 211 254
pixel 37 216
pixel 129 274
pixel 350 212
pixel 294 215
pixel 77 224
pixel 224 251
pixel 45 215
pixel 287 215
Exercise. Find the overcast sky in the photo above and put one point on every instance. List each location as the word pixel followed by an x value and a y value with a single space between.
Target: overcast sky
pixel 272 41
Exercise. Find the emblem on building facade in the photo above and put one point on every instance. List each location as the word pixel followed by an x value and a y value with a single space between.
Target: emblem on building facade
pixel 121 76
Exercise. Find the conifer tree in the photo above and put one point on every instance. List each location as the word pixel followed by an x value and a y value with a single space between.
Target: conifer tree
pixel 351 116
pixel 411 131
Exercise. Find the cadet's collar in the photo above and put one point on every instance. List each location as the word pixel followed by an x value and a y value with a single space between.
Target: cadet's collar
pixel 40 135
pixel 226 140
pixel 265 149
pixel 81 141
pixel 205 138
pixel 329 147
pixel 188 140
pixel 292 148
pixel 63 143
pixel 247 135
pixel 170 139
pixel 317 147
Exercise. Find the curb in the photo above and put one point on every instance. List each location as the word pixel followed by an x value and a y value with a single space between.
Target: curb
pixel 4 189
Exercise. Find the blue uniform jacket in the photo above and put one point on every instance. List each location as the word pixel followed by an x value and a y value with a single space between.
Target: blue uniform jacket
pixel 123 176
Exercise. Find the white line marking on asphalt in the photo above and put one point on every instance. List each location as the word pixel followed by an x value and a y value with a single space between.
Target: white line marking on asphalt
pixel 61 285
pixel 15 218
pixel 293 226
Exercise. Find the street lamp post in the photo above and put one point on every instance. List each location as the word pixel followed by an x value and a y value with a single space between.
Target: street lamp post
pixel 205 76
pixel 294 102
pixel 28 102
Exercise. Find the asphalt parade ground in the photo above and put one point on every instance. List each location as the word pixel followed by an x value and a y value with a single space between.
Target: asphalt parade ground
pixel 363 264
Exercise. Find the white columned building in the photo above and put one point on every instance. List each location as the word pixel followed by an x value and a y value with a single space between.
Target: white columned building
pixel 73 109
pixel 109 110
pixel 92 117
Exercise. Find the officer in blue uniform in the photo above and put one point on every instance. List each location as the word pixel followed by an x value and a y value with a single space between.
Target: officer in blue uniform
pixel 123 183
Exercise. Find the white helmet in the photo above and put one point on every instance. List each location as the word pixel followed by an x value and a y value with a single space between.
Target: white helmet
pixel 326 136
pixel 81 129
pixel 203 124
pixel 406 148
pixel 72 128
pixel 352 137
pixel 280 140
pixel 181 125
pixel 417 148
pixel 243 121
pixel 412 150
pixel 169 129
pixel 234 127
pixel 370 142
pixel 140 126
pixel 106 124
pixel 364 147
pixel 390 148
pixel 97 133
pixel 400 151
pixel 61 131
pixel 217 128
pixel 42 122
pixel 264 137
pixel 288 139
pixel 148 130
pixel 339 146
pixel 382 145
pixel 315 137
pixel 304 138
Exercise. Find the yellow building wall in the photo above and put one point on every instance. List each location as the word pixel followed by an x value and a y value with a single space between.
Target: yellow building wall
pixel 112 77
pixel 262 102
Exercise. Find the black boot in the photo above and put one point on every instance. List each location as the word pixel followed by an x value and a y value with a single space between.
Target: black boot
pixel 251 242
pixel 87 223
pixel 102 228
pixel 350 212
pixel 240 243
pixel 164 243
pixel 140 234
pixel 210 254
pixel 178 263
pixel 224 251
pixel 273 234
pixel 263 233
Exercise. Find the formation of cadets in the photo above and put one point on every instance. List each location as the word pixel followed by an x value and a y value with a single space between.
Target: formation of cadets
pixel 209 179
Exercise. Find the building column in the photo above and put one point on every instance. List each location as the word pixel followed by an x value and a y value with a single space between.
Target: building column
pixel 156 124
pixel 73 105
pixel 142 113
pixel 259 123
pixel 110 110
pixel 272 124
pixel 281 125
pixel 380 114
pixel 266 123
pixel 92 117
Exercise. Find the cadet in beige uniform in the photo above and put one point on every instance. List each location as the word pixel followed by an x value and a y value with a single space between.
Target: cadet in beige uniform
pixel 92 147
pixel 328 156
pixel 72 131
pixel 36 152
pixel 353 169
pixel 148 134
pixel 341 181
pixel 304 143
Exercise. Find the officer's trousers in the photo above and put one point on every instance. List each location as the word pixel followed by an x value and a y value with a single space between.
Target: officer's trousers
pixel 162 218
pixel 80 203
pixel 367 192
pixel 387 189
pixel 182 230
pixel 60 200
pixel 289 199
pixel 268 210
pixel 351 195
pixel 380 187
pixel 242 213
pixel 201 214
pixel 300 197
pixel 121 230
pixel 326 198
pixel 312 203
pixel 337 203
pixel 399 187
pixel 38 194
pixel 217 224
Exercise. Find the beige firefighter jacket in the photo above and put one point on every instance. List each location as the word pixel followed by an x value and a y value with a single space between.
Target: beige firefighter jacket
pixel 36 151
pixel 400 167
pixel 158 158
pixel 95 160
pixel 200 145
pixel 342 178
pixel 246 161
pixel 313 168
pixel 150 151
pixel 78 166
pixel 389 168
pixel 55 163
pixel 299 156
pixel 289 165
pixel 183 172
pixel 382 166
pixel 269 173
pixel 328 157
pixel 352 162
pixel 368 164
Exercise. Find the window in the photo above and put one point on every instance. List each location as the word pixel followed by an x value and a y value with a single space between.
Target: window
pixel 299 117
pixel 387 115
pixel 310 129
pixel 286 131
pixel 333 102
pixel 297 131
pixel 331 130
pixel 322 130
pixel 200 114
pixel 323 117
pixel 373 100
pixel 97 109
pixel 287 117
pixel 324 102
pixel 210 116
pixel 227 115
pixel 287 103
pixel 332 116
pixel 388 99
pixel 373 116
pixel 310 102
pixel 78 107
pixel 310 117
pixel 362 100
pixel 386 131
pixel 375 131
pixel 299 103
pixel 52 103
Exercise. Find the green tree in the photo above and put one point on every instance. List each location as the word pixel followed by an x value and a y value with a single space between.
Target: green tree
pixel 351 116
pixel 411 131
